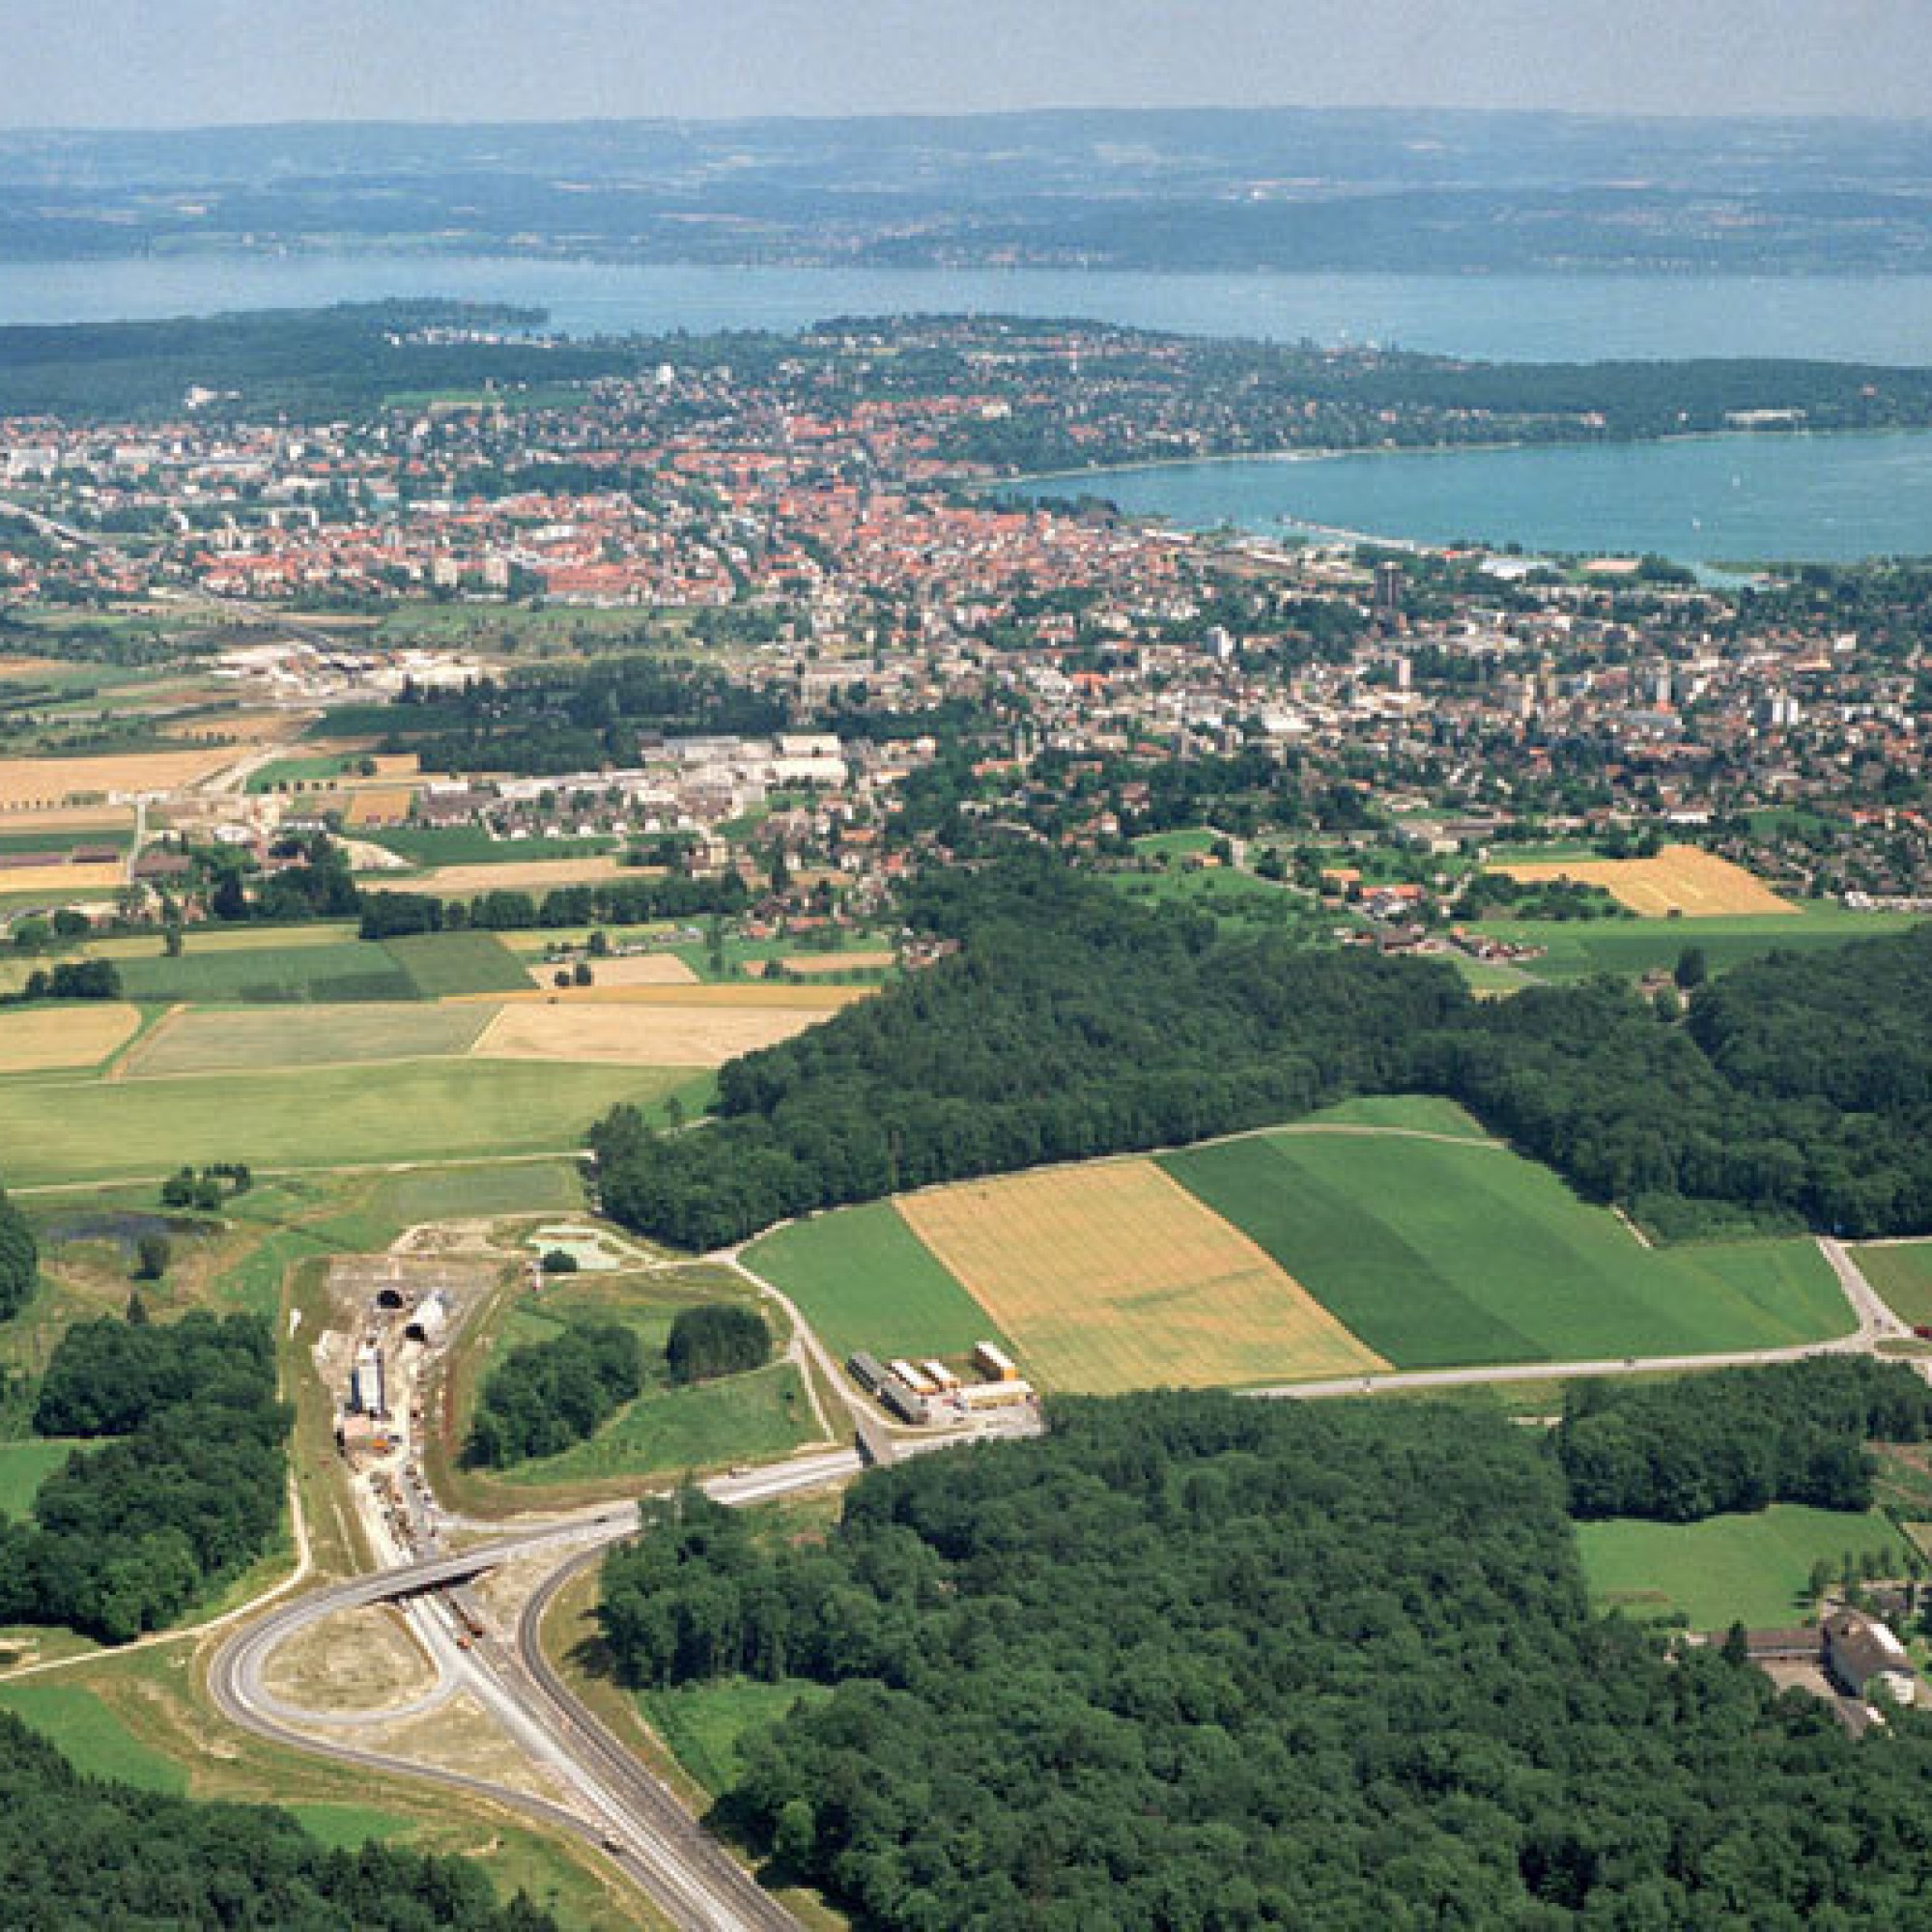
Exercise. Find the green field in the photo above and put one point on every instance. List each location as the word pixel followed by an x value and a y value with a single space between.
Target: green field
pixel 23 1466
pixel 89 1734
pixel 443 965
pixel 1192 840
pixel 345 970
pixel 747 1418
pixel 1410 1113
pixel 1902 1274
pixel 240 1042
pixel 862 1279
pixel 436 1111
pixel 472 845
pixel 205 939
pixel 1753 1570
pixel 1577 947
pixel 1437 1255
pixel 302 773
pixel 706 1725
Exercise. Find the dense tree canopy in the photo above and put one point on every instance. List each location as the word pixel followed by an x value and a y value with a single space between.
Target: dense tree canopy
pixel 717 1338
pixel 19 1258
pixel 188 1492
pixel 1736 1438
pixel 78 1854
pixel 542 1398
pixel 1194 1663
pixel 1071 1023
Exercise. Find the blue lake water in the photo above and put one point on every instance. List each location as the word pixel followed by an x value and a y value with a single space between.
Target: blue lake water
pixel 1743 498
pixel 1534 317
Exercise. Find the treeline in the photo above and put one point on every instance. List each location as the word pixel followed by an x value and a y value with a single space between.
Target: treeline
pixel 78 1852
pixel 546 1396
pixel 71 980
pixel 1737 1439
pixel 577 718
pixel 1071 1023
pixel 184 1495
pixel 19 1258
pixel 392 915
pixel 1190 1663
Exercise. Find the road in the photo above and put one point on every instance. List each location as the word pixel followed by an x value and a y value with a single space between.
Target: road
pixel 616 1805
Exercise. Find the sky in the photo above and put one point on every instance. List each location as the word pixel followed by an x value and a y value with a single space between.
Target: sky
pixel 186 63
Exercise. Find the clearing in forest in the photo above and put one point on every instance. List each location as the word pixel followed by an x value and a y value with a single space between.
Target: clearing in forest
pixel 637 1035
pixel 51 1037
pixel 1681 879
pixel 1112 1276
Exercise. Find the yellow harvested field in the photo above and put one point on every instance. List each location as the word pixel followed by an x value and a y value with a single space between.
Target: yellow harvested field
pixel 54 1037
pixel 833 962
pixel 636 1036
pixel 1112 1276
pixel 378 804
pixel 12 667
pixel 57 881
pixel 815 1000
pixel 47 783
pixel 638 969
pixel 529 876
pixel 80 819
pixel 1682 879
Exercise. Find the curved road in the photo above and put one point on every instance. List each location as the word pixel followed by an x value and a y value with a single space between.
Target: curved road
pixel 617 1804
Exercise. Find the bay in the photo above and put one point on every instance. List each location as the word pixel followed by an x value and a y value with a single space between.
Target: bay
pixel 1708 501
pixel 1530 318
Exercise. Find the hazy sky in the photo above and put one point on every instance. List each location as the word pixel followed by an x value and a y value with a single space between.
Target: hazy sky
pixel 153 62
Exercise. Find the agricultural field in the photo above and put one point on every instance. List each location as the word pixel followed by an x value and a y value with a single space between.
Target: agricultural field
pixel 430 1110
pixel 377 805
pixel 434 846
pixel 862 1279
pixel 809 963
pixel 1753 1570
pixel 233 1042
pixel 449 965
pixel 1902 1274
pixel 1576 949
pixel 631 969
pixel 42 1039
pixel 55 883
pixel 634 1033
pixel 344 970
pixel 1437 1254
pixel 536 876
pixel 1684 879
pixel 1112 1276
pixel 37 784
pixel 204 940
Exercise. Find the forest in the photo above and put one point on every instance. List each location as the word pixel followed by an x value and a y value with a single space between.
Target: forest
pixel 1191 1663
pixel 19 1258
pixel 78 1854
pixel 717 1338
pixel 183 1492
pixel 1737 1439
pixel 545 1396
pixel 1071 1023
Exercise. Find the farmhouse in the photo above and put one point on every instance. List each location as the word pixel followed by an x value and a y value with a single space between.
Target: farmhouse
pixel 1864 1655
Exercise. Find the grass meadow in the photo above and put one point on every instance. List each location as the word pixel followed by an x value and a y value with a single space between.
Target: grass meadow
pixel 430 1110
pixel 1902 1274
pixel 440 965
pixel 1576 949
pixel 1753 1570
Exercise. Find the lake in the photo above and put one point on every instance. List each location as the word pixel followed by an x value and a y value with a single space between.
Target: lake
pixel 1712 500
pixel 1528 318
